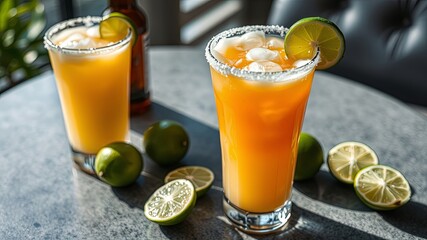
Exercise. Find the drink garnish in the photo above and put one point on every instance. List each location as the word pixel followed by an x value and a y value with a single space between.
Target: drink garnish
pixel 115 26
pixel 309 34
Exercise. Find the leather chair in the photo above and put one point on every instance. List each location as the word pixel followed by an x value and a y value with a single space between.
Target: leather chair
pixel 386 41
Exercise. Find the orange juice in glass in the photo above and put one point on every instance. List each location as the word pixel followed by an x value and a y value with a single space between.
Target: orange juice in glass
pixel 92 77
pixel 261 98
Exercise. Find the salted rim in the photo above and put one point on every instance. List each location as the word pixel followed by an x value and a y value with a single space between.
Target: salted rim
pixel 75 22
pixel 278 76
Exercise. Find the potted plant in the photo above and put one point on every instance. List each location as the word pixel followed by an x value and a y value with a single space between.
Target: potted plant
pixel 21 42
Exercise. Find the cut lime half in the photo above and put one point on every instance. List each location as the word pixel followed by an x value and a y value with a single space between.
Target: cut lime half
pixel 347 158
pixel 171 203
pixel 312 33
pixel 201 177
pixel 115 26
pixel 382 187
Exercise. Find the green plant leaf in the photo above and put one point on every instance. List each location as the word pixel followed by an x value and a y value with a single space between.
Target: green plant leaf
pixel 25 8
pixel 37 22
pixel 5 6
pixel 22 52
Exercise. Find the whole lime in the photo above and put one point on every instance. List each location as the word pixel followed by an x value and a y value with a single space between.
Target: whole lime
pixel 310 157
pixel 118 164
pixel 166 142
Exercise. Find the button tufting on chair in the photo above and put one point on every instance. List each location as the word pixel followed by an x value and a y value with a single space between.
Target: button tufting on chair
pixel 386 41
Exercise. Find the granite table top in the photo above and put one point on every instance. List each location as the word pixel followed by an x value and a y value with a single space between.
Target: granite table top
pixel 43 197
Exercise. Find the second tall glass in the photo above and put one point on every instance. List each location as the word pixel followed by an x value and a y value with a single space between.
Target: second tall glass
pixel 92 77
pixel 260 116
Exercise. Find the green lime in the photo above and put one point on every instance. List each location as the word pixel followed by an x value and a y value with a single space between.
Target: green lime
pixel 171 203
pixel 118 164
pixel 312 33
pixel 382 187
pixel 166 142
pixel 310 157
pixel 347 158
pixel 201 177
pixel 115 26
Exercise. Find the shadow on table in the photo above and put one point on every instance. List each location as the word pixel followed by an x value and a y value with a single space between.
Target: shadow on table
pixel 208 222
pixel 325 188
pixel 204 141
pixel 411 218
pixel 138 193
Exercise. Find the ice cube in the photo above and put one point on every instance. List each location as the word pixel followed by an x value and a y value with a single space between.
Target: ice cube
pixel 252 40
pixel 220 57
pixel 263 66
pixel 274 43
pixel 93 32
pixel 300 63
pixel 256 54
pixel 225 43
pixel 72 41
pixel 80 43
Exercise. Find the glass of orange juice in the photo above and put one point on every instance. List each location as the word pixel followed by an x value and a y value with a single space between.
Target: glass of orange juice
pixel 92 78
pixel 261 98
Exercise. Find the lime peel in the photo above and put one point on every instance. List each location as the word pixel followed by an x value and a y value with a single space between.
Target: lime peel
pixel 310 157
pixel 166 142
pixel 119 164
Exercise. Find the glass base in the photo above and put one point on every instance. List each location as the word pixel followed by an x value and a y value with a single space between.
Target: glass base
pixel 84 161
pixel 258 223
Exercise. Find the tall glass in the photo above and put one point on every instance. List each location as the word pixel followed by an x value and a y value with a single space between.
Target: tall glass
pixel 93 85
pixel 260 116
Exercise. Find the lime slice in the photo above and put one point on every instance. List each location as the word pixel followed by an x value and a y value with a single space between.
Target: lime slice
pixel 347 158
pixel 201 177
pixel 171 203
pixel 310 157
pixel 382 187
pixel 114 27
pixel 308 34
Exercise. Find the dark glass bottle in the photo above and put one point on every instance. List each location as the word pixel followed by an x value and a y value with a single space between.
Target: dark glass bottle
pixel 139 82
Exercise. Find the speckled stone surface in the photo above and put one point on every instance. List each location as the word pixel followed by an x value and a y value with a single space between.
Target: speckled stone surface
pixel 43 197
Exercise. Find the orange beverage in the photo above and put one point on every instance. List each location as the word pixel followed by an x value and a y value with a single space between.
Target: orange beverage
pixel 92 77
pixel 261 98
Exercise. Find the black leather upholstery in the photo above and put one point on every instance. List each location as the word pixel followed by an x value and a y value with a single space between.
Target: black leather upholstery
pixel 386 41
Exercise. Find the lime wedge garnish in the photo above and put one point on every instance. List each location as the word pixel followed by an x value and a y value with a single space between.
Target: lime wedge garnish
pixel 347 158
pixel 312 33
pixel 115 26
pixel 201 177
pixel 382 187
pixel 171 203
